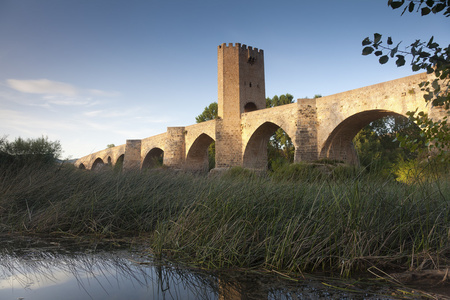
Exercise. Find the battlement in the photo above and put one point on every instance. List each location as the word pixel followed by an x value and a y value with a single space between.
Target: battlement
pixel 241 47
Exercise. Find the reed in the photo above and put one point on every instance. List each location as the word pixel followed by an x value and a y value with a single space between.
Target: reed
pixel 324 222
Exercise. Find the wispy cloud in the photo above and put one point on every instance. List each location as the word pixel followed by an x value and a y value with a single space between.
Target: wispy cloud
pixel 42 86
pixel 58 93
pixel 104 93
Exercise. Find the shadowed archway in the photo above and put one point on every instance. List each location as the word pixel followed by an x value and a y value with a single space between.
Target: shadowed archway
pixel 255 154
pixel 153 159
pixel 98 164
pixel 197 158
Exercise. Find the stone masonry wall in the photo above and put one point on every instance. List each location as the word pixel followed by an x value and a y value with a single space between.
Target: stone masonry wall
pixel 322 127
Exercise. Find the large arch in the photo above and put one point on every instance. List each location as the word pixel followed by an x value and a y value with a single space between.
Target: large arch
pixel 153 159
pixel 98 164
pixel 339 145
pixel 197 156
pixel 255 153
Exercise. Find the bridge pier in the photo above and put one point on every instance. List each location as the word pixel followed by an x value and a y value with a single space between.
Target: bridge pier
pixel 132 157
pixel 306 134
pixel 175 149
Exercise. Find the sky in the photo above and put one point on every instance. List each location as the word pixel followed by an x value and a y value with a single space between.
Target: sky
pixel 95 72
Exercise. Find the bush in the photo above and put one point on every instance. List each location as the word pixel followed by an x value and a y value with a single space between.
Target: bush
pixel 29 151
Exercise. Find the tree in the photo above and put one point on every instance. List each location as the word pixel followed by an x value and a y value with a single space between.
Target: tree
pixel 427 56
pixel 110 146
pixel 378 149
pixel 39 150
pixel 209 113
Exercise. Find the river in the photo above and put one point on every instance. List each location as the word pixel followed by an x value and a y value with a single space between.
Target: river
pixel 38 269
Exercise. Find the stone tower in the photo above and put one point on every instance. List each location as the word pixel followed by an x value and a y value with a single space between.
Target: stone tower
pixel 241 88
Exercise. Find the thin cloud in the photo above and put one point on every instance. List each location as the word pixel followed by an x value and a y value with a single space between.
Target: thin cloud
pixel 101 93
pixel 42 86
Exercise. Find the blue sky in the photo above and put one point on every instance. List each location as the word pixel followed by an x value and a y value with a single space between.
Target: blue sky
pixel 94 72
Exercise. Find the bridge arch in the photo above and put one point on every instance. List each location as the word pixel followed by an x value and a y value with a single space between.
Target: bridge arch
pixel 154 158
pixel 120 160
pixel 339 145
pixel 98 164
pixel 255 153
pixel 82 167
pixel 197 158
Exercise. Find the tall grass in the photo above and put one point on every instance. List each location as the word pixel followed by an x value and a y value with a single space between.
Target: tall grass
pixel 340 223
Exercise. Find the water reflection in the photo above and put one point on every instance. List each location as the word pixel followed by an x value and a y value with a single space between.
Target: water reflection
pixel 46 275
pixel 51 272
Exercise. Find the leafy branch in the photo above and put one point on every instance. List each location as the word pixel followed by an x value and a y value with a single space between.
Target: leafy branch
pixel 427 56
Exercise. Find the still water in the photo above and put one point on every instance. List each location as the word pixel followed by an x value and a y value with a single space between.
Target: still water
pixel 38 270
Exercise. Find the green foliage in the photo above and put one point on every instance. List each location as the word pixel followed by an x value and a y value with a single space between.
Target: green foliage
pixel 209 113
pixel 378 145
pixel 110 146
pixel 279 100
pixel 428 56
pixel 435 135
pixel 39 150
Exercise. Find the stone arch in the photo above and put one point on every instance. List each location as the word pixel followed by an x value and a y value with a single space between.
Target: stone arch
pixel 82 167
pixel 250 106
pixel 98 164
pixel 197 155
pixel 120 159
pixel 109 160
pixel 119 162
pixel 339 145
pixel 255 154
pixel 153 159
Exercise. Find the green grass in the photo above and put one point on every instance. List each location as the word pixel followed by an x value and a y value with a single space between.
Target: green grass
pixel 342 221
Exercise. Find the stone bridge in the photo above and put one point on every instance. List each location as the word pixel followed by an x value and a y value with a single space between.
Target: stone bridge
pixel 319 128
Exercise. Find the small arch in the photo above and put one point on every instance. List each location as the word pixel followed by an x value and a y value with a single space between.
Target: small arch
pixel 119 162
pixel 109 160
pixel 153 159
pixel 200 156
pixel 82 167
pixel 98 164
pixel 250 106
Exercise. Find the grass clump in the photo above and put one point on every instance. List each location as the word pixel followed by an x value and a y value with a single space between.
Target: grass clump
pixel 301 220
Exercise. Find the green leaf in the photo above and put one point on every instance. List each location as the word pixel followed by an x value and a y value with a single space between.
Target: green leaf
pixel 430 3
pixel 415 68
pixel 400 60
pixel 389 41
pixel 411 6
pixel 396 4
pixel 367 51
pixel 378 53
pixel 439 7
pixel 384 59
pixel 425 11
pixel 376 38
pixel 393 51
pixel 366 42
